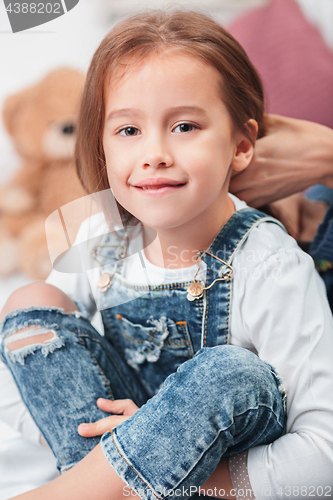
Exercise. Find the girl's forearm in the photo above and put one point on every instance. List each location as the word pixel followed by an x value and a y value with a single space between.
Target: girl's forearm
pixel 93 477
pixel 219 481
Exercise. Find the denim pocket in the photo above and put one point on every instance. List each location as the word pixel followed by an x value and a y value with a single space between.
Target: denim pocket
pixel 146 343
pixel 155 350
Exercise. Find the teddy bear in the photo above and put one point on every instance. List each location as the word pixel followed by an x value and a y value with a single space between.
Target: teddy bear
pixel 41 121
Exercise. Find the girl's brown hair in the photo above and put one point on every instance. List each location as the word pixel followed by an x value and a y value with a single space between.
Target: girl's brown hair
pixel 148 34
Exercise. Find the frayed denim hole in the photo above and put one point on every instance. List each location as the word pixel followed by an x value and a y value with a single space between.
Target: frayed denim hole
pixel 150 349
pixel 17 312
pixel 29 339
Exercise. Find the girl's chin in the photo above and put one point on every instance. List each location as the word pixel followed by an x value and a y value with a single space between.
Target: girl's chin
pixel 160 222
pixel 158 226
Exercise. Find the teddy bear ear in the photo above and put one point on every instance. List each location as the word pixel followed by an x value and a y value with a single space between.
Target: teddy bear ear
pixel 10 111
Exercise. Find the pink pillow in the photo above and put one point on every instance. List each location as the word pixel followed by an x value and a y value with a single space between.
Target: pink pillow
pixel 294 62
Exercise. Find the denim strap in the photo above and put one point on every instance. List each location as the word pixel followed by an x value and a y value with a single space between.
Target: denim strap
pixel 218 298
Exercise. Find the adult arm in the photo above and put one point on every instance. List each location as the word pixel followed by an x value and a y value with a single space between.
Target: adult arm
pixel 294 155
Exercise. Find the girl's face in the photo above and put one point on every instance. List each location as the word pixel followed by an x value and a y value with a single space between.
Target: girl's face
pixel 169 142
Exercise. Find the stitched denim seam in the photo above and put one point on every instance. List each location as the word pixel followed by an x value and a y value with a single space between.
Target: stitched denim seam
pixel 80 331
pixel 207 307
pixel 201 307
pixel 139 341
pixel 261 405
pixel 256 222
pixel 116 366
pixel 207 292
pixel 247 229
pixel 167 286
pixel 134 340
pixel 129 465
pixel 187 340
pixel 152 335
pixel 184 342
pixel 106 382
pixel 222 230
pixel 207 280
pixel 228 314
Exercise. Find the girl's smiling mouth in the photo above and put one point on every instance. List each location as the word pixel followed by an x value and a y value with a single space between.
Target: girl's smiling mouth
pixel 158 186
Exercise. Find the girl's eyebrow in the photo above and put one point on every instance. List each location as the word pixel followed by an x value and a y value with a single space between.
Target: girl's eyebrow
pixel 124 112
pixel 194 110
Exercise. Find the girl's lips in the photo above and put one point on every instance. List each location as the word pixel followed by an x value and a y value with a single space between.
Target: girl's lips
pixel 156 182
pixel 158 186
pixel 159 189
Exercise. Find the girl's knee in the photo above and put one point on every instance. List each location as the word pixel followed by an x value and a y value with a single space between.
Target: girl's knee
pixel 32 319
pixel 38 294
pixel 226 357
pixel 233 366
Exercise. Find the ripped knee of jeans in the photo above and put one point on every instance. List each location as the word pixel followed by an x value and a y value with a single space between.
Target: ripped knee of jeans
pixel 30 339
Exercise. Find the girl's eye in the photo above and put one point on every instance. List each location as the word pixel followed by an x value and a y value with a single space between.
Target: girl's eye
pixel 184 127
pixel 129 131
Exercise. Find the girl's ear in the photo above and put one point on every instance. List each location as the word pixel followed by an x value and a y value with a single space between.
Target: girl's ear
pixel 245 147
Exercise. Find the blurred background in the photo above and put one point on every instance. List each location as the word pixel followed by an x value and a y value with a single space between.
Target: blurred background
pixel 290 43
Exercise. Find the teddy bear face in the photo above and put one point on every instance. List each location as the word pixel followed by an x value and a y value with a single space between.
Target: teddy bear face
pixel 59 138
pixel 42 119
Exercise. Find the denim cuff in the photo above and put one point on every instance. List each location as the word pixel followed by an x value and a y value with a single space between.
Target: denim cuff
pixel 117 458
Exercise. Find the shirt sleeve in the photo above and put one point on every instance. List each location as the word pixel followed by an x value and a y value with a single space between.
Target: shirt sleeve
pixel 13 411
pixel 79 286
pixel 280 311
pixel 240 477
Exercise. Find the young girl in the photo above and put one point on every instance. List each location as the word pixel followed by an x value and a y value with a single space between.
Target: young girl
pixel 172 107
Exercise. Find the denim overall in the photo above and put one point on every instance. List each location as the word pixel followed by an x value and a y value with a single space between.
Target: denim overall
pixel 199 397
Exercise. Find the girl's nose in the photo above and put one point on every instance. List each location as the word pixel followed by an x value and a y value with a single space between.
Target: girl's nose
pixel 157 156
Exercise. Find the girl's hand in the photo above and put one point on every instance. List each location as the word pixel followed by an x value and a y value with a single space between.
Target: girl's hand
pixel 124 408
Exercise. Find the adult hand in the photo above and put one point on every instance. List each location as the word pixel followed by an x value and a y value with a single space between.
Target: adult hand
pixel 294 155
pixel 123 408
pixel 300 216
